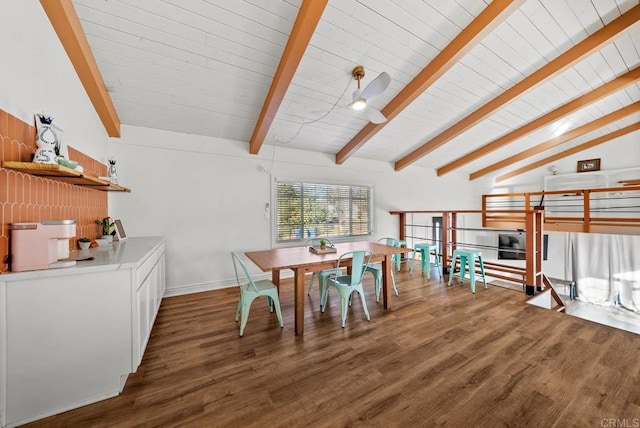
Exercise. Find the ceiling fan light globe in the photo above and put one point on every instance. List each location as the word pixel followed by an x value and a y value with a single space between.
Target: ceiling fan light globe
pixel 359 104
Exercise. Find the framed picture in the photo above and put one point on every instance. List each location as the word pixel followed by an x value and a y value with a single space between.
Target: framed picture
pixel 120 233
pixel 589 165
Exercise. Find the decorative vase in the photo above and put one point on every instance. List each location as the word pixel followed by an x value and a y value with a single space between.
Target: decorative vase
pixel 109 238
pixel 84 245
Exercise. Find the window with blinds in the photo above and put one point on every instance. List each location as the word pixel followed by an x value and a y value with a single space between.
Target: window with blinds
pixel 308 210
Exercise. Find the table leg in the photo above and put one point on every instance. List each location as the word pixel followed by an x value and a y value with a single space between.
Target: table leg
pixel 299 300
pixel 386 282
pixel 275 278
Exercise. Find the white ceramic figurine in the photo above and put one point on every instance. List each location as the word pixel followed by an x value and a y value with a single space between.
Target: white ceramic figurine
pixel 46 140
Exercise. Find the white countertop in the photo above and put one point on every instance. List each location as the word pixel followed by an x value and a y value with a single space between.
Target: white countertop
pixel 119 255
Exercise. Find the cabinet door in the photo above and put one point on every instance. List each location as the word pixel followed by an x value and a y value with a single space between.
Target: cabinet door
pixel 161 282
pixel 148 297
pixel 151 297
pixel 142 303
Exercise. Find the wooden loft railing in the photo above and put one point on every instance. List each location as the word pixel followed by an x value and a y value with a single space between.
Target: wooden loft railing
pixel 530 276
pixel 528 221
pixel 601 210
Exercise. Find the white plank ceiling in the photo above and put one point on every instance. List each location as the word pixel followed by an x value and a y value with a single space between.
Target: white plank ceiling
pixel 205 67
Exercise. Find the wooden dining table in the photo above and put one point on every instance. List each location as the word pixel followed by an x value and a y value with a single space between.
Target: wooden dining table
pixel 302 261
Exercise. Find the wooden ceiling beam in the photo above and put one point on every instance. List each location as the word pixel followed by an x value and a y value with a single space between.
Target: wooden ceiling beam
pixel 492 16
pixel 546 119
pixel 584 146
pixel 67 26
pixel 303 28
pixel 567 136
pixel 575 54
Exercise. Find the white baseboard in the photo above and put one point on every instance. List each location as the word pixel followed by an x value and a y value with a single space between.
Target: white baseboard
pixel 179 290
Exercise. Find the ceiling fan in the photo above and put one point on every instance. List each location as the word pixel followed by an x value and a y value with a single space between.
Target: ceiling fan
pixel 360 96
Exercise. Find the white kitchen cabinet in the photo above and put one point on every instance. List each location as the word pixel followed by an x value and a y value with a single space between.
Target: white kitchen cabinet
pixel 149 280
pixel 70 337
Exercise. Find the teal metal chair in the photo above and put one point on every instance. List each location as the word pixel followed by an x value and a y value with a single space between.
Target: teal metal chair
pixel 252 289
pixel 347 284
pixel 323 274
pixel 425 249
pixel 468 262
pixel 376 268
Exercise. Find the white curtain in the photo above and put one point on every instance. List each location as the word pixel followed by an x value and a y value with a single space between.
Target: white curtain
pixel 606 268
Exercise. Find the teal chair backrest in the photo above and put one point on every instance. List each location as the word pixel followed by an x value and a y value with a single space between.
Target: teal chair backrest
pixel 359 262
pixel 393 242
pixel 238 261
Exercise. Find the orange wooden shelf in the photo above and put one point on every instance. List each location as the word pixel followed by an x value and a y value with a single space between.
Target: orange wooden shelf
pixel 63 173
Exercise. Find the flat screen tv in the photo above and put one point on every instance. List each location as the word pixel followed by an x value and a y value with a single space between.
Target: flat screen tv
pixel 512 246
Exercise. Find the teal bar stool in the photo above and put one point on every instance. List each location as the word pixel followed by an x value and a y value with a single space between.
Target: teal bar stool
pixel 467 261
pixel 425 257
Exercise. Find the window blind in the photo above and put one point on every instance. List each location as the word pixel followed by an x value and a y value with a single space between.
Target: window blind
pixel 307 210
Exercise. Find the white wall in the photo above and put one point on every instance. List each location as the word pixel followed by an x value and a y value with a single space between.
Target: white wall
pixel 36 76
pixel 207 197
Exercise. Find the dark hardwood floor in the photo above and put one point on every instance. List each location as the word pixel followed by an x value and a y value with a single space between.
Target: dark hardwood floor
pixel 441 356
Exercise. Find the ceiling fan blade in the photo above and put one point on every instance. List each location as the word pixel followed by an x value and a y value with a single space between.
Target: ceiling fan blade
pixel 374 115
pixel 377 86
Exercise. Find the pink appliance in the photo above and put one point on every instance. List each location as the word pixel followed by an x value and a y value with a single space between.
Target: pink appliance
pixel 41 245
